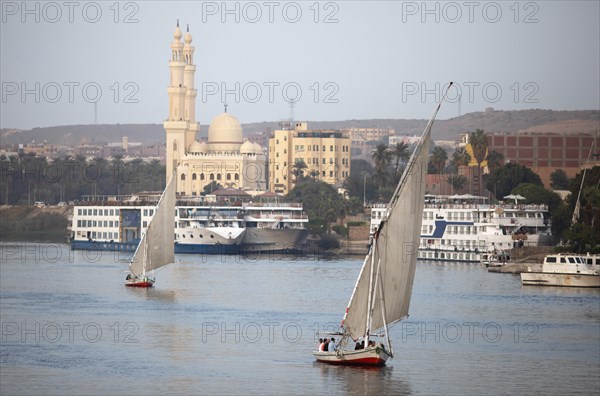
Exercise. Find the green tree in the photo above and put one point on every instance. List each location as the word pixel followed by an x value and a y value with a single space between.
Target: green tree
pixel 361 186
pixel 559 180
pixel 400 153
pixel 458 182
pixel 211 187
pixel 590 188
pixel 460 157
pixel 581 238
pixel 298 169
pixel 360 166
pixel 321 202
pixel 494 160
pixel 438 159
pixel 381 160
pixel 504 179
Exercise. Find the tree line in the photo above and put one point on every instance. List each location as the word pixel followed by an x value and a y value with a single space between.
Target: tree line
pixel 27 178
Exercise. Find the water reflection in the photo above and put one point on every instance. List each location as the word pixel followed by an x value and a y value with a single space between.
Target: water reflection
pixel 364 380
pixel 153 294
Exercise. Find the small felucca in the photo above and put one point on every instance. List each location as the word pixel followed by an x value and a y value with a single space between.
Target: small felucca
pixel 382 292
pixel 156 248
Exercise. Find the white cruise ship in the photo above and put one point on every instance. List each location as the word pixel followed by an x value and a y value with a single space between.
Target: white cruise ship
pixel 209 229
pixel 274 227
pixel 117 223
pixel 463 227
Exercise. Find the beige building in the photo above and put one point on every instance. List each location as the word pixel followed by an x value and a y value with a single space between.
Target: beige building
pixel 325 153
pixel 225 158
pixel 369 134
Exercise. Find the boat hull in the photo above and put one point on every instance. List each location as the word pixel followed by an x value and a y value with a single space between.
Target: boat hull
pixel 145 282
pixel 365 357
pixel 273 240
pixel 557 279
pixel 216 240
pixel 190 248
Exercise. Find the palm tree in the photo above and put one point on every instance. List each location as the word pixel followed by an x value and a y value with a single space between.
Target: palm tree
pixel 381 159
pixel 457 182
pixel 400 153
pixel 460 158
pixel 494 160
pixel 438 159
pixel 478 141
pixel 299 166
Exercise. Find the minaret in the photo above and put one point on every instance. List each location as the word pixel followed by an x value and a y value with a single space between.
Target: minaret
pixel 176 124
pixel 190 94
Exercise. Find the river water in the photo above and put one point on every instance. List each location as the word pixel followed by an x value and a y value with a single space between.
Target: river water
pixel 233 325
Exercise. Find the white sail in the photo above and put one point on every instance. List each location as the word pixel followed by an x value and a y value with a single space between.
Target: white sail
pixel 157 246
pixel 389 268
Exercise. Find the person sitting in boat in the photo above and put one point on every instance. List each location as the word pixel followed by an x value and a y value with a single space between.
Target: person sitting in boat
pixel 325 345
pixel 357 346
pixel 332 347
pixel 321 345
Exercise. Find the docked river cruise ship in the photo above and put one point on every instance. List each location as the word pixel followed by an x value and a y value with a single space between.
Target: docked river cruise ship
pixel 465 227
pixel 117 224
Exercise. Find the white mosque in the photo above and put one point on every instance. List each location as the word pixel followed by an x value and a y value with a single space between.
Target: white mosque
pixel 225 158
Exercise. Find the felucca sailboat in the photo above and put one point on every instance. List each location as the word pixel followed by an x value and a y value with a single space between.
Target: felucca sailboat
pixel 157 246
pixel 382 292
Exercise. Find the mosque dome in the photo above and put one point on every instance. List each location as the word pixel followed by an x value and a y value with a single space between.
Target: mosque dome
pixel 198 147
pixel 225 129
pixel 247 148
pixel 257 148
pixel 188 38
pixel 177 34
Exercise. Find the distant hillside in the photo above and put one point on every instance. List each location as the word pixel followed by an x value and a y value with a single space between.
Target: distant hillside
pixel 534 120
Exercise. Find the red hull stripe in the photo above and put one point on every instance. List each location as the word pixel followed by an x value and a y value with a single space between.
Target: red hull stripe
pixel 370 361
pixel 140 284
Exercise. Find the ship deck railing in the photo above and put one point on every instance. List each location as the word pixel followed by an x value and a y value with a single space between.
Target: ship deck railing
pixel 486 206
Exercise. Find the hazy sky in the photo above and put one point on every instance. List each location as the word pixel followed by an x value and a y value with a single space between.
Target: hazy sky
pixel 348 59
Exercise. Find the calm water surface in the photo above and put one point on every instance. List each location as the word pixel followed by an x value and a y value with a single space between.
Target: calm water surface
pixel 215 325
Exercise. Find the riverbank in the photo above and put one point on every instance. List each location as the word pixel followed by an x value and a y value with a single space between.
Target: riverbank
pixel 33 224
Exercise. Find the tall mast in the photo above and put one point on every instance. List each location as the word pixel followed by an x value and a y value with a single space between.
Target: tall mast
pixel 370 298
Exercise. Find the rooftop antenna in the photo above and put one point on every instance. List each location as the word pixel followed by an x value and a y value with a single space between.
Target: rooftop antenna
pixel 225 104
pixel 292 103
pixel 177 22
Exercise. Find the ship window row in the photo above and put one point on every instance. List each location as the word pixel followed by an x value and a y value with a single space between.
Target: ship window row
pixel 430 215
pixel 529 215
pixel 449 256
pixel 459 243
pixel 97 212
pixel 460 215
pixel 148 212
pixel 106 235
pixel 97 223
pixel 461 230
